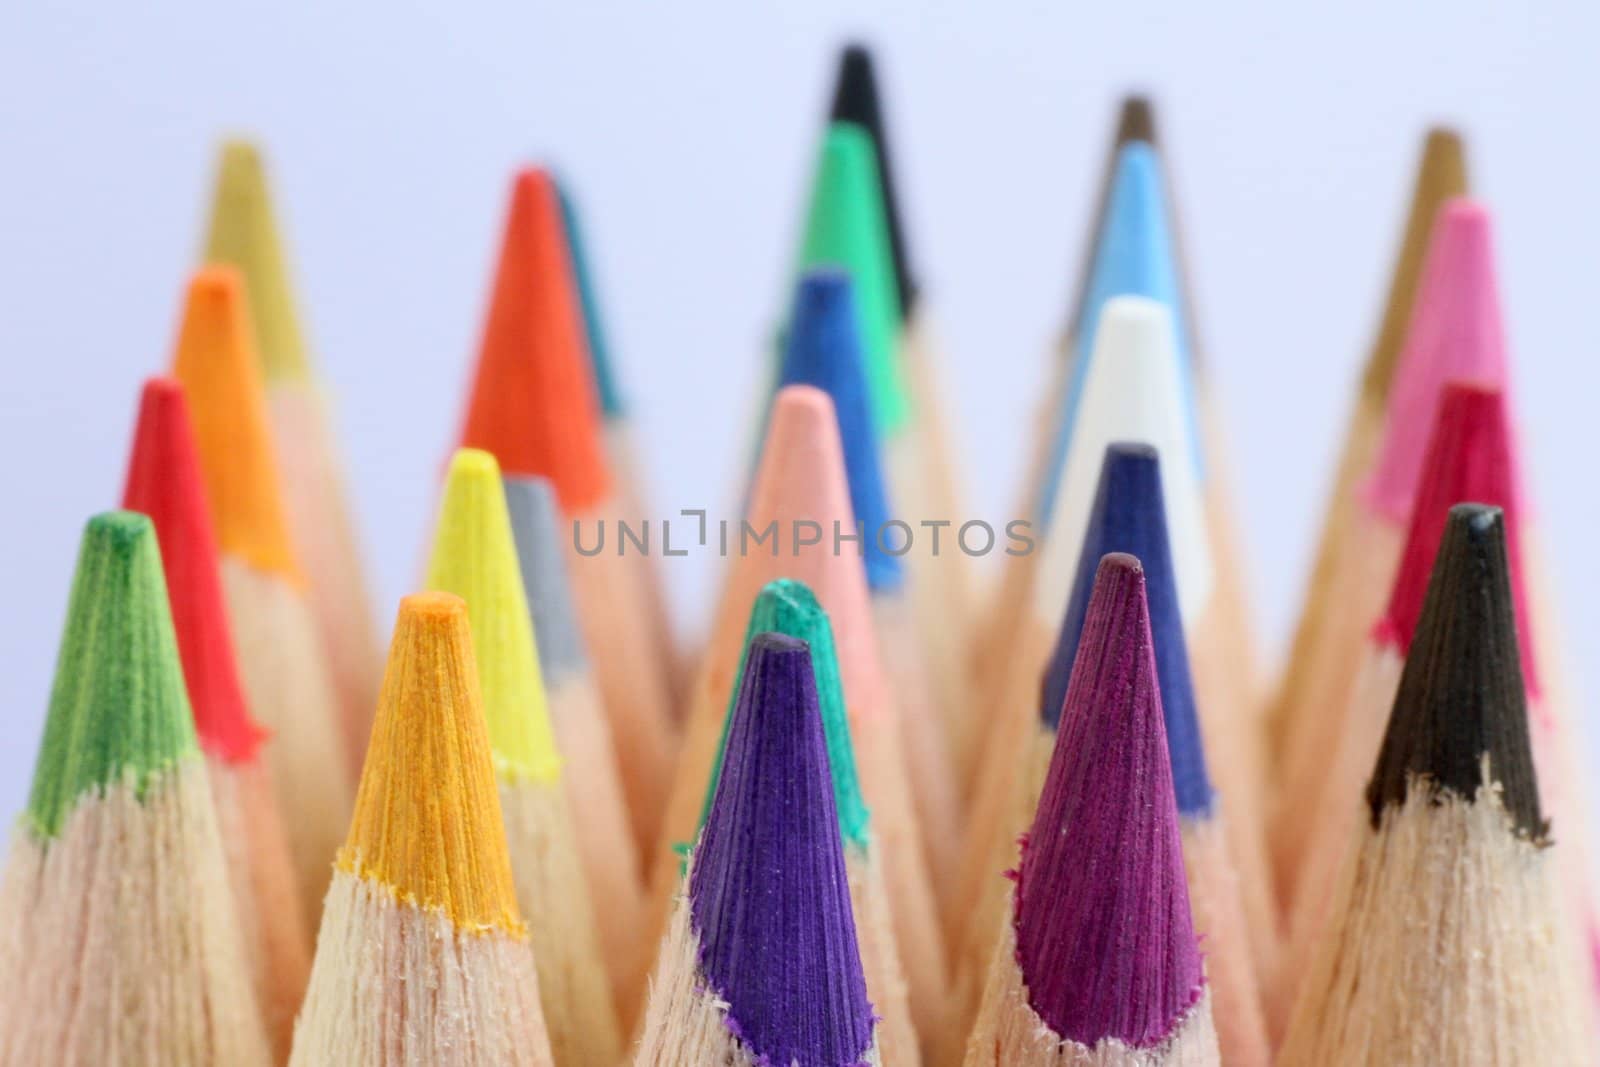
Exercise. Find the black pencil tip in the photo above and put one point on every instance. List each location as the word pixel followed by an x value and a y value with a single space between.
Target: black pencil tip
pixel 856 100
pixel 1461 697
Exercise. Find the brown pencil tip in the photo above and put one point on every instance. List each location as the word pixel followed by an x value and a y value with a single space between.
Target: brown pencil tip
pixel 1441 176
pixel 1136 120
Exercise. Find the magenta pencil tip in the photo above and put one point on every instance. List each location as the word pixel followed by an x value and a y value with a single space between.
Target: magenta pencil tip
pixel 1105 939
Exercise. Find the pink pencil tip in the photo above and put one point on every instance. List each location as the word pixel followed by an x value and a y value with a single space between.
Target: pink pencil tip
pixel 1455 333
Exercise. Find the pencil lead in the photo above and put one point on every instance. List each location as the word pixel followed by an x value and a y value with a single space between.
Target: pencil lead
pixel 532 402
pixel 536 529
pixel 789 608
pixel 1469 458
pixel 216 363
pixel 801 479
pixel 1441 175
pixel 475 558
pixel 118 709
pixel 594 326
pixel 441 848
pixel 845 228
pixel 1132 392
pixel 856 99
pixel 1129 516
pixel 1105 941
pixel 244 234
pixel 769 871
pixel 823 349
pixel 1136 120
pixel 1461 706
pixel 165 483
pixel 1134 256
pixel 1455 333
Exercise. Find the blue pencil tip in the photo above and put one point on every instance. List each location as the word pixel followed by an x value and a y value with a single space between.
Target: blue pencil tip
pixel 1130 516
pixel 1134 256
pixel 823 349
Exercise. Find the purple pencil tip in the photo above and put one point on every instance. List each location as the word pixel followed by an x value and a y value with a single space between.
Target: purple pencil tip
pixel 768 893
pixel 1104 936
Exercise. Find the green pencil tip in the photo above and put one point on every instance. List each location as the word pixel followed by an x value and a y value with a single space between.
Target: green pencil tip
pixel 790 608
pixel 846 227
pixel 119 712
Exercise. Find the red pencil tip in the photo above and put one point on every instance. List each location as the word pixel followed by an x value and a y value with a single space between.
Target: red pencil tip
pixel 1455 334
pixel 532 402
pixel 164 482
pixel 1469 459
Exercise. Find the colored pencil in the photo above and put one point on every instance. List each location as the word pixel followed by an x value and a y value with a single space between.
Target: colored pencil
pixel 1138 253
pixel 1441 175
pixel 533 407
pixel 1470 458
pixel 118 939
pixel 474 557
pixel 1098 963
pixel 921 461
pixel 593 781
pixel 823 350
pixel 164 483
pixel 1132 393
pixel 423 956
pixel 244 233
pixel 616 424
pixel 280 654
pixel 1443 943
pixel 802 479
pixel 789 608
pixel 1455 333
pixel 760 964
pixel 1130 516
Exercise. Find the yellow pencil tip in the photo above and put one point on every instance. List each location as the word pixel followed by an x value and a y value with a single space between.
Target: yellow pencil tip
pixel 475 557
pixel 244 233
pixel 427 823
pixel 216 364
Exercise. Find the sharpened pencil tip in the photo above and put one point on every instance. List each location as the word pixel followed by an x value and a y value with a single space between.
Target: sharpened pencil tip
pixel 119 711
pixel 1461 705
pixel 770 858
pixel 1129 516
pixel 1101 889
pixel 443 847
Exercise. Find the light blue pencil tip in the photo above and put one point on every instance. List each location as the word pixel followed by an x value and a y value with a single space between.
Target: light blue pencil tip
pixel 1134 256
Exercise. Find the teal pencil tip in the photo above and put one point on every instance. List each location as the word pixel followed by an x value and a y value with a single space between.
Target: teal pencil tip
pixel 119 711
pixel 790 608
pixel 594 327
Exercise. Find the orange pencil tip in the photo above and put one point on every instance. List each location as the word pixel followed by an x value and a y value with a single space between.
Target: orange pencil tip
pixel 532 403
pixel 216 363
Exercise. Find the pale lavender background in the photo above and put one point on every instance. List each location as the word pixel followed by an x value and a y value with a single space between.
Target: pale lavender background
pixel 688 130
